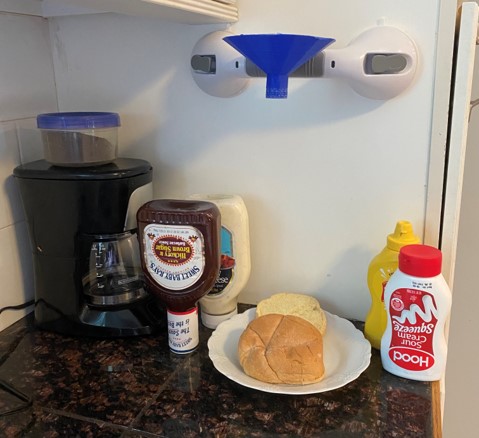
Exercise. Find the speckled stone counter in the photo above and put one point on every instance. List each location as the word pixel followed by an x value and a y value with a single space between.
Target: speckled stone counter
pixel 135 387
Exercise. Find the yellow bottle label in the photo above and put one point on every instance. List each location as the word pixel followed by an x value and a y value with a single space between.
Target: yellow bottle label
pixel 376 319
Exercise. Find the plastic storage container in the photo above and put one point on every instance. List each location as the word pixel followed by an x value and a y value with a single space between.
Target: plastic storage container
pixel 76 139
pixel 418 303
pixel 380 270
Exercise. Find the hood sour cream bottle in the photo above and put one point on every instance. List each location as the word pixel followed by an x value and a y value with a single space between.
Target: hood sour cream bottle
pixel 418 303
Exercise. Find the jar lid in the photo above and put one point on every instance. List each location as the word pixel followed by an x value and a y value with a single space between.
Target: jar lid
pixel 178 212
pixel 120 168
pixel 420 260
pixel 78 120
pixel 213 321
pixel 403 235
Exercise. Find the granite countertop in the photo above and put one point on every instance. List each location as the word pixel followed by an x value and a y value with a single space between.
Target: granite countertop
pixel 134 387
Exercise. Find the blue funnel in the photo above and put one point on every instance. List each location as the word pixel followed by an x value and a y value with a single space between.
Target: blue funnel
pixel 278 55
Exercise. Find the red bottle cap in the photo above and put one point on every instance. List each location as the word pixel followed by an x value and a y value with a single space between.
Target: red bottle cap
pixel 420 260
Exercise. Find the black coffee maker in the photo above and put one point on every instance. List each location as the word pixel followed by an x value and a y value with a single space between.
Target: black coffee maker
pixel 82 226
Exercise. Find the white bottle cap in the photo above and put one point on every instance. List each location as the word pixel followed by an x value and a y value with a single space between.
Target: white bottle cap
pixel 212 321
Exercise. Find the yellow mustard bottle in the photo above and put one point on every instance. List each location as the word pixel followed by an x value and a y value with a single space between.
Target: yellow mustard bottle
pixel 379 272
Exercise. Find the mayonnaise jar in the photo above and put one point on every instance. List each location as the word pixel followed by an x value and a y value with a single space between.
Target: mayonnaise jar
pixel 221 303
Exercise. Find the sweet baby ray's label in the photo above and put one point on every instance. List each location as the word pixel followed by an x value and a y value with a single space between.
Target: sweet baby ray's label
pixel 413 315
pixel 174 255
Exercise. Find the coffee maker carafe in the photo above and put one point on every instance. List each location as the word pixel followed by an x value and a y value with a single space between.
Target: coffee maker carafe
pixel 114 275
pixel 82 227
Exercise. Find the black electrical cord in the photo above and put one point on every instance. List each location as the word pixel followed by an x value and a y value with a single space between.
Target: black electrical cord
pixel 26 400
pixel 5 386
pixel 18 306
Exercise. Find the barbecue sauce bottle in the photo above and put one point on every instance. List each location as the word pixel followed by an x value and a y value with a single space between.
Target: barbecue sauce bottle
pixel 180 256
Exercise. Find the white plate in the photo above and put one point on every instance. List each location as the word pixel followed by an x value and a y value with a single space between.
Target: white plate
pixel 345 350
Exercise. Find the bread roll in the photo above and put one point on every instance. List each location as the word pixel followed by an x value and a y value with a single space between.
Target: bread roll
pixel 304 306
pixel 282 349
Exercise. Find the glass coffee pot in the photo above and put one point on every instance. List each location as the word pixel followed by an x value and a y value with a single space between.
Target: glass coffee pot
pixel 114 276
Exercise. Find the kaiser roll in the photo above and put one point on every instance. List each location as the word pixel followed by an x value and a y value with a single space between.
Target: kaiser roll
pixel 304 306
pixel 282 349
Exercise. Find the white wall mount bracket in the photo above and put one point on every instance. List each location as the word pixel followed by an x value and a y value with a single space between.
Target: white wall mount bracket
pixel 379 64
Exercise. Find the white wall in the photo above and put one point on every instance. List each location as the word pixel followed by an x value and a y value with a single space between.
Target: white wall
pixel 26 89
pixel 325 174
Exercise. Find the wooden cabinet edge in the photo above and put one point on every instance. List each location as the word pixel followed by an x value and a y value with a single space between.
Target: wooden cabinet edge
pixel 436 409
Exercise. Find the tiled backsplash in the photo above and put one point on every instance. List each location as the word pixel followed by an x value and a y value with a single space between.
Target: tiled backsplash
pixel 27 87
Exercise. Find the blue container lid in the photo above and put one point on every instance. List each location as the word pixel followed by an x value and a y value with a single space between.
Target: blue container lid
pixel 78 120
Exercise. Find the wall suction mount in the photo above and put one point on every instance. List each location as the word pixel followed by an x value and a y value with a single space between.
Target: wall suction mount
pixel 379 64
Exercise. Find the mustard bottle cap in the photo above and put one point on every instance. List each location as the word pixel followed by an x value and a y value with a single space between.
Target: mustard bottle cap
pixel 403 235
